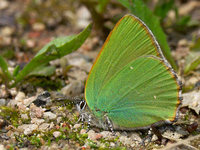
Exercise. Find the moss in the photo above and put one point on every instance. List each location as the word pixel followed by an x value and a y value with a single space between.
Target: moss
pixel 10 114
pixel 26 140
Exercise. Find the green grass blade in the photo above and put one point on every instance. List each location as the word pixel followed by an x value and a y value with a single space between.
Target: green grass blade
pixel 57 48
pixel 138 8
pixel 192 62
pixel 4 68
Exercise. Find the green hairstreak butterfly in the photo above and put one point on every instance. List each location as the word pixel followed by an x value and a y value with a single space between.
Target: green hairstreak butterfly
pixel 131 83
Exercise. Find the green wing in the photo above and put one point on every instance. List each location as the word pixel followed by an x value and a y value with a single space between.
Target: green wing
pixel 142 93
pixel 129 40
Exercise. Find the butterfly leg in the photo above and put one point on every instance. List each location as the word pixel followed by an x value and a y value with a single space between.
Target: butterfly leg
pixel 110 126
pixel 89 123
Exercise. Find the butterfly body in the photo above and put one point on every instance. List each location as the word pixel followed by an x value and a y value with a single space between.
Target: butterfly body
pixel 131 83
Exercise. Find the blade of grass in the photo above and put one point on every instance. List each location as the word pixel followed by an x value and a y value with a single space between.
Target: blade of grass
pixel 5 71
pixel 57 48
pixel 192 62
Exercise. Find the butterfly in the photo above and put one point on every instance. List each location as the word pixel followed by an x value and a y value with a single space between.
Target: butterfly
pixel 131 84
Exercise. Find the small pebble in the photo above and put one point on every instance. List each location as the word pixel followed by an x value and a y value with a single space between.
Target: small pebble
pixel 125 140
pixel 37 121
pixel 183 43
pixel 38 26
pixel 36 111
pixel 2 102
pixel 107 135
pixel 44 127
pixel 74 88
pixel 83 131
pixel 59 119
pixel 6 31
pixel 56 134
pixel 13 91
pixel 20 96
pixel 30 43
pixel 24 116
pixel 91 135
pixel 3 4
pixel 76 126
pixel 94 136
pixel 27 129
pixel 49 115
pixel 2 147
pixel 29 100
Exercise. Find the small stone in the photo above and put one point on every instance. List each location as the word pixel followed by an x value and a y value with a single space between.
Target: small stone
pixel 6 40
pixel 112 144
pixel 20 96
pixel 83 131
pixel 44 127
pixel 91 135
pixel 80 61
pixel 49 115
pixel 192 100
pixel 98 136
pixel 2 102
pixel 21 107
pixel 25 148
pixel 178 134
pixel 56 134
pixel 74 88
pixel 107 135
pixel 126 141
pixel 3 4
pixel 6 31
pixel 13 91
pixel 24 116
pixel 59 119
pixel 135 137
pixel 183 43
pixel 51 125
pixel 27 129
pixel 76 126
pixel 2 147
pixel 38 26
pixel 29 100
pixel 54 146
pixel 30 43
pixel 83 16
pixel 36 111
pixel 37 121
pixel 94 136
pixel 192 80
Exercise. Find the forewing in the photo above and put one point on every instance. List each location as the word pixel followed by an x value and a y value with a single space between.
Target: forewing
pixel 129 40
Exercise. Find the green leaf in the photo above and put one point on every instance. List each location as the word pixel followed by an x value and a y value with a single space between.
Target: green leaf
pixel 138 8
pixel 192 62
pixel 4 67
pixel 196 45
pixel 16 71
pixel 163 7
pixel 102 5
pixel 57 48
pixel 182 23
pixel 43 70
